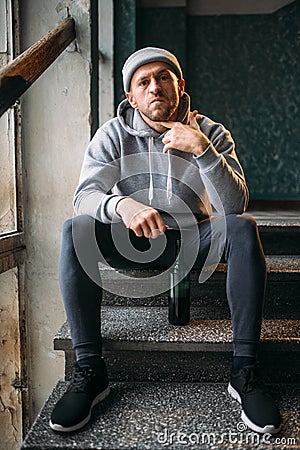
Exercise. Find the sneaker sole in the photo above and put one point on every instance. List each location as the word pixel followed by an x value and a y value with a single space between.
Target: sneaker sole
pixel 98 399
pixel 266 429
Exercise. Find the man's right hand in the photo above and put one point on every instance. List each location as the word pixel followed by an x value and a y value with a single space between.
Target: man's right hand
pixel 141 219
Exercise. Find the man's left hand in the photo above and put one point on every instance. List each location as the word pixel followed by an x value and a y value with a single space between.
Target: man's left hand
pixel 187 138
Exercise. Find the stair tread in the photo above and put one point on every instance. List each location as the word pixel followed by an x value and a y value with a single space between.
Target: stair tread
pixel 274 263
pixel 285 263
pixel 149 327
pixel 276 219
pixel 135 290
pixel 274 213
pixel 144 416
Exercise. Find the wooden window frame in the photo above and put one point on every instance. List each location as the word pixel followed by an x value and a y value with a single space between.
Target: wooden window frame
pixel 12 246
pixel 15 79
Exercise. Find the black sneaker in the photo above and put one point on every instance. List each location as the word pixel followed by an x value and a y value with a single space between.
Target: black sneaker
pixel 86 389
pixel 259 411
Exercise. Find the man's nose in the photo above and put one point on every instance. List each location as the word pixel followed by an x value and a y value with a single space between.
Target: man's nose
pixel 154 86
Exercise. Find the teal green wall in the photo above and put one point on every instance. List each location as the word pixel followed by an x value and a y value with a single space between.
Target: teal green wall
pixel 244 72
pixel 124 40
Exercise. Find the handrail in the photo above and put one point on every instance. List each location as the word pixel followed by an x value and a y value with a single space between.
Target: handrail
pixel 18 75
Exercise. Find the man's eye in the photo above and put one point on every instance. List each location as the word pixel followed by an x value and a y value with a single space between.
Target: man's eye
pixel 144 83
pixel 164 77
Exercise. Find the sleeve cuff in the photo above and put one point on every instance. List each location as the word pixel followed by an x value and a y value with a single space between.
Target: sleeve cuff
pixel 208 159
pixel 111 208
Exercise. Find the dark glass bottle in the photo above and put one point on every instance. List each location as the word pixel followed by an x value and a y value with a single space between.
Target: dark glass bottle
pixel 179 294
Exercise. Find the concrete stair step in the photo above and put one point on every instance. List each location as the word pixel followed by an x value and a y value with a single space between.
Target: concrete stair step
pixel 136 338
pixel 283 285
pixel 132 328
pixel 279 225
pixel 280 236
pixel 168 415
pixel 278 240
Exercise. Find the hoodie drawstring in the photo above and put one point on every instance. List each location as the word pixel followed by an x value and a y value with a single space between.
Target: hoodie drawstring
pixel 150 153
pixel 169 178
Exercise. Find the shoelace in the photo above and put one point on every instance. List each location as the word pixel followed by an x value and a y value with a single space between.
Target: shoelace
pixel 81 378
pixel 251 380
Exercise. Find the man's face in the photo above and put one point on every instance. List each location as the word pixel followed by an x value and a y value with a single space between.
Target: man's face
pixel 155 91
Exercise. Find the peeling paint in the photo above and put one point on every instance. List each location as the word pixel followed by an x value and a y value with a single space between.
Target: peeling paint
pixel 7 174
pixel 10 397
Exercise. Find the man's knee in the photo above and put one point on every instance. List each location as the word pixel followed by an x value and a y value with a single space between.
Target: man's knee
pixel 80 222
pixel 77 228
pixel 242 231
pixel 241 225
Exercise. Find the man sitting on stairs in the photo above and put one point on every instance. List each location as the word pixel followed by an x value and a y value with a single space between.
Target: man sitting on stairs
pixel 152 171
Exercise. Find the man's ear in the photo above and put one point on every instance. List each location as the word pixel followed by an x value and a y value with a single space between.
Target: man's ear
pixel 131 99
pixel 181 84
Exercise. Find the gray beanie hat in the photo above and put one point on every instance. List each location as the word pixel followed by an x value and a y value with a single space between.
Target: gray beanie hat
pixel 147 55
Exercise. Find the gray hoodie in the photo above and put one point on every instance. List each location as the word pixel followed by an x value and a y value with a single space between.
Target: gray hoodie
pixel 125 158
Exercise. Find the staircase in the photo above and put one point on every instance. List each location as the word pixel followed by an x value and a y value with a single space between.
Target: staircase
pixel 169 384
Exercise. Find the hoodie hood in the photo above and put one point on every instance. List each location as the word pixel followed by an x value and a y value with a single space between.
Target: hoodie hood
pixel 133 123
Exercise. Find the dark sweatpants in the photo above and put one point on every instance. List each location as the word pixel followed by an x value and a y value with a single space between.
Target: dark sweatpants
pixel 81 284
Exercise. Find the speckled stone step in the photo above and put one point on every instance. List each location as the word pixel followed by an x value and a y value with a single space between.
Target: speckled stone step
pixel 279 229
pixel 148 328
pixel 282 292
pixel 140 344
pixel 162 415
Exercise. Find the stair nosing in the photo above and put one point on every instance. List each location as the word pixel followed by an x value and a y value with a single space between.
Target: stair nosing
pixel 287 264
pixel 211 334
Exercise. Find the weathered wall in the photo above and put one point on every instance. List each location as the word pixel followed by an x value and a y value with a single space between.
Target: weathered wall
pixel 7 159
pixel 10 398
pixel 55 131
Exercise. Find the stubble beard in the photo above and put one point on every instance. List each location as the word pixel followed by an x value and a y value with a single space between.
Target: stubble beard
pixel 163 114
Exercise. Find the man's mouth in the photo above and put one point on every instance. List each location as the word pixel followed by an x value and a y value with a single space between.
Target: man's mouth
pixel 158 100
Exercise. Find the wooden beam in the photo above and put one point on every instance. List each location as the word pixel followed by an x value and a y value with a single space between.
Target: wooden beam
pixel 17 76
pixel 10 241
pixel 10 260
pixel 12 250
